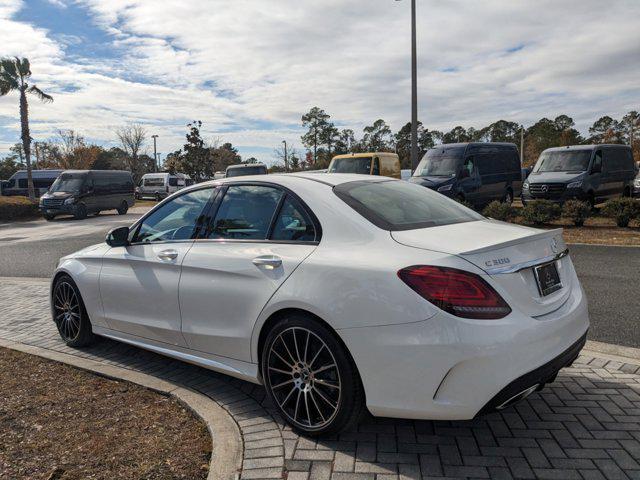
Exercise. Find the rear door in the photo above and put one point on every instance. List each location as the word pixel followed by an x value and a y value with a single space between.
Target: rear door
pixel 259 236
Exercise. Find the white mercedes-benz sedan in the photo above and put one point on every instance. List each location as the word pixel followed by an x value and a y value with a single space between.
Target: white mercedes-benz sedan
pixel 338 293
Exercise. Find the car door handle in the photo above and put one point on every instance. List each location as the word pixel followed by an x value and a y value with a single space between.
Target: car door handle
pixel 270 262
pixel 168 254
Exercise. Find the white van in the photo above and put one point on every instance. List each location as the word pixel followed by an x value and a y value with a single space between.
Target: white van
pixel 161 185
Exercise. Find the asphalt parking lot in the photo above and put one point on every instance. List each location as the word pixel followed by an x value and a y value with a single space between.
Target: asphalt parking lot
pixel 610 275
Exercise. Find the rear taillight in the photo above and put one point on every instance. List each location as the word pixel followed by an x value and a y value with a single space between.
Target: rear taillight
pixel 460 293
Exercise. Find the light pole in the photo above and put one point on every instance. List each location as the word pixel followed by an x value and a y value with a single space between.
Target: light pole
pixel 155 153
pixel 414 89
pixel 286 165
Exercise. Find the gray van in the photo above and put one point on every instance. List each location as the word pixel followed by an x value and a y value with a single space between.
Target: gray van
pixel 17 183
pixel 592 173
pixel 477 173
pixel 81 192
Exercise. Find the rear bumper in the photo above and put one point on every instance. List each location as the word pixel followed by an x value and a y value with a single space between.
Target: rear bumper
pixel 535 379
pixel 448 368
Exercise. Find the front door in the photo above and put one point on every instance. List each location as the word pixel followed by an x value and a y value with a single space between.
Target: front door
pixel 259 236
pixel 139 283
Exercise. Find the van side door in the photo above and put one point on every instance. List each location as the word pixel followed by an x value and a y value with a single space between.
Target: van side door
pixel 597 176
pixel 469 179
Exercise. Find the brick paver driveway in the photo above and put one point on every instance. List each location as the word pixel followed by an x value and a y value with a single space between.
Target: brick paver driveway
pixel 585 425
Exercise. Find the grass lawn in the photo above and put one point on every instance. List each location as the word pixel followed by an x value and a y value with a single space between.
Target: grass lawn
pixel 58 422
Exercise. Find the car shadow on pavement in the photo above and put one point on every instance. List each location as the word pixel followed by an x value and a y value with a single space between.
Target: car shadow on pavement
pixel 584 425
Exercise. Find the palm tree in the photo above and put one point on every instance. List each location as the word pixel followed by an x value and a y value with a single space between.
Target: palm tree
pixel 14 74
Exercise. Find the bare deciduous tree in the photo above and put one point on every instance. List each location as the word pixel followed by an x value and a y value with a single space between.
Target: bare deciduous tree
pixel 132 138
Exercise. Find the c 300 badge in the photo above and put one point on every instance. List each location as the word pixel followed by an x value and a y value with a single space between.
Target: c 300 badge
pixel 496 262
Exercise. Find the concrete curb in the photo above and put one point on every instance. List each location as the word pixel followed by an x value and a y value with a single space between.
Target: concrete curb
pixel 227 445
pixel 613 352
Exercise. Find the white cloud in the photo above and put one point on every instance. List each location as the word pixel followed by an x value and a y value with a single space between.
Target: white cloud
pixel 250 68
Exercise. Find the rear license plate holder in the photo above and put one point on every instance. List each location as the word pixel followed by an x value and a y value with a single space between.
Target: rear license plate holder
pixel 547 278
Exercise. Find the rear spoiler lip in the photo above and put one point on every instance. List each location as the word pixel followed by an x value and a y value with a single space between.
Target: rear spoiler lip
pixel 508 243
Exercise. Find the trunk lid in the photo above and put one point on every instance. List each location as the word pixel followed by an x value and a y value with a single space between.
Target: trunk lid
pixel 505 252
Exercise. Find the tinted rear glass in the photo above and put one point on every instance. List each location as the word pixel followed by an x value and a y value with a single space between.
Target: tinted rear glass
pixel 396 205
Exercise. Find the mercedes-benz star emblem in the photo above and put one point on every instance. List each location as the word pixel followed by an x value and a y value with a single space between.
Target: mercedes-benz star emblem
pixel 545 188
pixel 554 245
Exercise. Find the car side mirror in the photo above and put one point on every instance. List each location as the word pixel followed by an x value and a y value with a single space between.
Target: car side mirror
pixel 596 169
pixel 464 173
pixel 118 237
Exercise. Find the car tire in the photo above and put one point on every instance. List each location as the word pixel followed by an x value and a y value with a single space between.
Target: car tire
pixel 49 218
pixel 158 197
pixel 81 212
pixel 123 208
pixel 70 314
pixel 324 401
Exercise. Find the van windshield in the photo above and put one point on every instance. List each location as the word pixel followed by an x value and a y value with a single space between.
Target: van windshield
pixel 440 162
pixel 563 161
pixel 361 165
pixel 67 183
pixel 239 172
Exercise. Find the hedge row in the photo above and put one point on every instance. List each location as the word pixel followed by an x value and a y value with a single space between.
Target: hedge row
pixel 16 208
pixel 539 212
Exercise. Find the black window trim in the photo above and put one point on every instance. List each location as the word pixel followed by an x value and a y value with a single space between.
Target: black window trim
pixel 286 191
pixel 135 227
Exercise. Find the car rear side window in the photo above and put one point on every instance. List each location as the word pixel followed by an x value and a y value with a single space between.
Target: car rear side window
pixel 245 212
pixel 396 205
pixel 293 223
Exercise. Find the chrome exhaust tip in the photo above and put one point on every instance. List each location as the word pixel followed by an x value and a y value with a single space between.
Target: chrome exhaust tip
pixel 519 396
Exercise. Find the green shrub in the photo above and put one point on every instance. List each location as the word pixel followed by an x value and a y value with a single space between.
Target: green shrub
pixel 15 208
pixel 499 211
pixel 623 210
pixel 539 212
pixel 576 211
pixel 462 201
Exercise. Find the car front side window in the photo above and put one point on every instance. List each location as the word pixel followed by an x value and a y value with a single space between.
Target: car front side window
pixel 178 219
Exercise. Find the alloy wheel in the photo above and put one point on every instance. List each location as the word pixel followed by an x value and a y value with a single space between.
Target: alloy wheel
pixel 304 378
pixel 66 307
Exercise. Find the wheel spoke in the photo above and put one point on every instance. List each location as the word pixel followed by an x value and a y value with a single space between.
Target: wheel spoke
pixel 287 382
pixel 284 372
pixel 295 413
pixel 295 344
pixel 316 356
pixel 326 384
pixel 306 347
pixel 306 406
pixel 313 399
pixel 326 400
pixel 280 357
pixel 287 349
pixel 322 369
pixel 287 397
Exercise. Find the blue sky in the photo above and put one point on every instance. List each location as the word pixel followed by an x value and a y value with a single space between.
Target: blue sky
pixel 249 68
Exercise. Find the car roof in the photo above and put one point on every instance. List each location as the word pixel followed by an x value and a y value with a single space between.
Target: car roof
pixel 464 144
pixel 363 154
pixel 328 179
pixel 246 165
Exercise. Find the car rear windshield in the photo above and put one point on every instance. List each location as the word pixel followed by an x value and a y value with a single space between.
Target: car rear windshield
pixel 396 205
pixel 440 162
pixel 361 165
pixel 563 161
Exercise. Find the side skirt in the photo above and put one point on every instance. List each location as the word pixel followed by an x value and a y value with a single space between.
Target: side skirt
pixel 234 368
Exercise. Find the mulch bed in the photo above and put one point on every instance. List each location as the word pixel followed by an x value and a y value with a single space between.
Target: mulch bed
pixel 61 423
